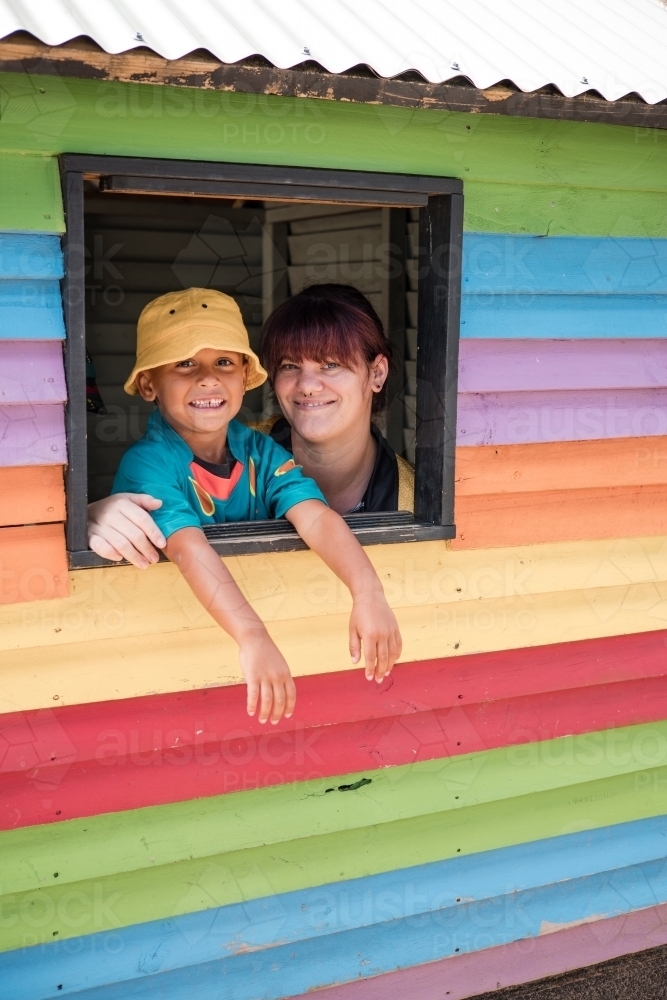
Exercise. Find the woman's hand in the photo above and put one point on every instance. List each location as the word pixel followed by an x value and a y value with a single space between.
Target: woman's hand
pixel 374 628
pixel 268 678
pixel 120 527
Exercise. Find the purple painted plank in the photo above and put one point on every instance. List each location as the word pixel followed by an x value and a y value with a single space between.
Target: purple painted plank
pixel 521 365
pixel 525 417
pixel 32 435
pixel 552 953
pixel 32 372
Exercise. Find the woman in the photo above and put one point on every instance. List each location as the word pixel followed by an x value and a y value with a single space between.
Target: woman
pixel 328 360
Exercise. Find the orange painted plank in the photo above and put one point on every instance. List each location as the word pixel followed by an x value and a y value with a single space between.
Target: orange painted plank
pixel 33 563
pixel 32 494
pixel 519 468
pixel 559 516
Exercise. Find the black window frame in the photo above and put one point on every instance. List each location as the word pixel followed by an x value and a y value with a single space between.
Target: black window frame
pixel 440 204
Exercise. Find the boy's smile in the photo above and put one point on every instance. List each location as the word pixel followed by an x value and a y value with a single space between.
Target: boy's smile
pixel 207 404
pixel 198 397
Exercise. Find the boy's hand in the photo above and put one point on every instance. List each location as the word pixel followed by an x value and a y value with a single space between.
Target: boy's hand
pixel 373 625
pixel 268 678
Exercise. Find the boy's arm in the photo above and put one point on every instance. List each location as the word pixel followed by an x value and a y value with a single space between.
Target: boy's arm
pixel 372 622
pixel 264 667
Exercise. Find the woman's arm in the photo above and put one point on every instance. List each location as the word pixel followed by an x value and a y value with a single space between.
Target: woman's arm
pixel 373 624
pixel 264 668
pixel 120 527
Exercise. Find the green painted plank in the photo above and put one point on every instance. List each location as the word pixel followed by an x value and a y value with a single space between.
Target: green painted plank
pixel 403 816
pixel 564 211
pixel 60 911
pixel 101 845
pixel 30 195
pixel 542 176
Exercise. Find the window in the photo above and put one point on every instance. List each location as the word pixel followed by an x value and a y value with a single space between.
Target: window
pixel 246 228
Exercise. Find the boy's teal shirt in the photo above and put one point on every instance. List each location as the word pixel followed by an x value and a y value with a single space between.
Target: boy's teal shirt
pixel 159 464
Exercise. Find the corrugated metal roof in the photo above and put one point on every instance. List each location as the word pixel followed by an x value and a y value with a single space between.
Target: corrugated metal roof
pixel 616 47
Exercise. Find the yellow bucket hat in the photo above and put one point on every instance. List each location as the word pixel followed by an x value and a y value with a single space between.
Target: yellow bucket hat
pixel 175 326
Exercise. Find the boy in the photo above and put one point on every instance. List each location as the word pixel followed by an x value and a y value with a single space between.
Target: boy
pixel 194 361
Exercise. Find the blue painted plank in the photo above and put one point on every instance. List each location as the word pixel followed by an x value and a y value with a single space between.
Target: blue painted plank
pixel 495 263
pixel 30 255
pixel 286 944
pixel 31 310
pixel 564 317
pixel 293 969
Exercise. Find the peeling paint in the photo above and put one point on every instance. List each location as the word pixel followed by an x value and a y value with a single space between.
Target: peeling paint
pixel 549 927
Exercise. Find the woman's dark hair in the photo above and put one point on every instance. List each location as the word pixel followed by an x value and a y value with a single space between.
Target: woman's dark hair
pixel 326 323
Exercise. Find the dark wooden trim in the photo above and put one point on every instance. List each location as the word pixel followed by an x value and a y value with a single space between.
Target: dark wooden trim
pixel 74 300
pixel 394 236
pixel 279 536
pixel 84 60
pixel 247 189
pixel 290 180
pixel 439 306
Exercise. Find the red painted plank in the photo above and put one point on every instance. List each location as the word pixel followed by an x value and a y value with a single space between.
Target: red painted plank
pixel 524 365
pixel 32 372
pixel 525 961
pixel 33 435
pixel 571 415
pixel 89 759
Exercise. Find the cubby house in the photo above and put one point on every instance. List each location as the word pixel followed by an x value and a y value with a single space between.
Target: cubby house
pixel 494 814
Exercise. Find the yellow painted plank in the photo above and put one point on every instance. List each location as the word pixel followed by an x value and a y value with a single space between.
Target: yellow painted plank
pixel 89 671
pixel 122 602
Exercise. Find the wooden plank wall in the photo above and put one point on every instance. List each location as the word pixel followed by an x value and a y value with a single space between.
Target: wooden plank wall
pixel 493 813
pixel 563 371
pixel 32 425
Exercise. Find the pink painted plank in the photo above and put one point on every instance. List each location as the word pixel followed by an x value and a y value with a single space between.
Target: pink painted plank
pixel 550 954
pixel 32 372
pixel 32 435
pixel 515 365
pixel 525 417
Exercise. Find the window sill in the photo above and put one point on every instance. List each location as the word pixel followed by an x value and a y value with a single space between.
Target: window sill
pixel 279 536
